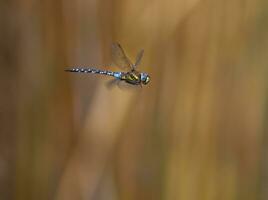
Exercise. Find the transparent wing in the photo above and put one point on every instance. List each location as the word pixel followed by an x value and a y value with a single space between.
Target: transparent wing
pixel 138 58
pixel 112 83
pixel 120 58
pixel 122 85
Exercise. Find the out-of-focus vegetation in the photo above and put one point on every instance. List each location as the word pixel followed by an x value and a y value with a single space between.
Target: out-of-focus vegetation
pixel 198 131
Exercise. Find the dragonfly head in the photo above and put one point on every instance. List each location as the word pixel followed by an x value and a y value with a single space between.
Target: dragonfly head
pixel 145 78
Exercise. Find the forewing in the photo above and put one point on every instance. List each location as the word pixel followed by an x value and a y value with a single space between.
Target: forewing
pixel 138 58
pixel 120 58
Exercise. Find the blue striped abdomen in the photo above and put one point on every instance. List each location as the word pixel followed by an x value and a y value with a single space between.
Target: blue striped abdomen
pixel 117 75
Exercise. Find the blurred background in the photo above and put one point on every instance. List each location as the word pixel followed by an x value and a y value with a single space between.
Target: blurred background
pixel 198 130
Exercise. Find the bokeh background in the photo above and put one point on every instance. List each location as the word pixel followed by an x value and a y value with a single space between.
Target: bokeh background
pixel 197 131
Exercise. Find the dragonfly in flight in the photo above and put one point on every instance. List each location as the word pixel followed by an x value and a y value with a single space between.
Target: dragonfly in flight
pixel 130 76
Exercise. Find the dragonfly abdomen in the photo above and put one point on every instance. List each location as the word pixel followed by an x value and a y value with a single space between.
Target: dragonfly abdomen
pixel 91 70
pixel 117 75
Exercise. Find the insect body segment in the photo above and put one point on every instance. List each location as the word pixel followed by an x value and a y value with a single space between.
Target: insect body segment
pixel 90 70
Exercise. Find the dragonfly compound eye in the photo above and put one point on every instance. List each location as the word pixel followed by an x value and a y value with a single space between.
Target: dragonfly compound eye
pixel 145 78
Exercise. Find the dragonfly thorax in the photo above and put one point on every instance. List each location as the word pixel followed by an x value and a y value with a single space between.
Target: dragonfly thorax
pixel 132 77
pixel 136 78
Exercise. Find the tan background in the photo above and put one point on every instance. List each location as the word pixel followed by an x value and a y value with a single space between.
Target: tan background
pixel 198 131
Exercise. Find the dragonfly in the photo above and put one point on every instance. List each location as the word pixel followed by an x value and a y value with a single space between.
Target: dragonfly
pixel 130 75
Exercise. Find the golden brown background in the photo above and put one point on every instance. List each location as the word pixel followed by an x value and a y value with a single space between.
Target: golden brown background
pixel 198 131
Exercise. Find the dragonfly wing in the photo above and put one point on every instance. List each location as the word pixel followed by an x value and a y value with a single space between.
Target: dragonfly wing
pixel 138 58
pixel 120 58
pixel 122 85
pixel 112 83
